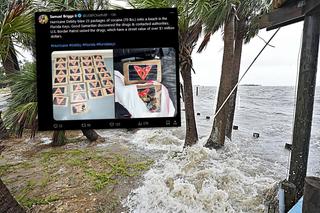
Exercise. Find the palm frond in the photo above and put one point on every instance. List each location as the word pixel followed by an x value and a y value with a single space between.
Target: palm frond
pixel 22 105
pixel 17 24
pixel 204 42
pixel 62 5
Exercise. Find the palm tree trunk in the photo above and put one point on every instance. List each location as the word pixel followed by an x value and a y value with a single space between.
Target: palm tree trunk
pixel 239 35
pixel 217 136
pixel 58 138
pixel 10 65
pixel 191 128
pixel 91 134
pixel 4 134
pixel 187 41
pixel 10 60
pixel 7 202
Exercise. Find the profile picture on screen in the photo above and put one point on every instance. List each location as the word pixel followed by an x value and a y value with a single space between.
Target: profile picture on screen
pixel 43 19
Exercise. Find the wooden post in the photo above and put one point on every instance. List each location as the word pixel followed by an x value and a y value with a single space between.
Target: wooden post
pixel 289 194
pixel 305 101
pixel 311 198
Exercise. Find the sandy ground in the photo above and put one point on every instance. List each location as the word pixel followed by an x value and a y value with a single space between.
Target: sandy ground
pixel 78 177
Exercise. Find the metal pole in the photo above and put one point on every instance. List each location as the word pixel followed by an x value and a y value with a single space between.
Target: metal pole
pixel 305 101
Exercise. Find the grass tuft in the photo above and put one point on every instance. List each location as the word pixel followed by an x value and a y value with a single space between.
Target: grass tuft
pixel 30 202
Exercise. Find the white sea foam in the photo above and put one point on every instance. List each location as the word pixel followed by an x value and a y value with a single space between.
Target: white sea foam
pixel 46 140
pixel 232 179
pixel 199 179
pixel 157 139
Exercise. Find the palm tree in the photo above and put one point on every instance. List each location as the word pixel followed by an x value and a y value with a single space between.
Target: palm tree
pixel 190 27
pixel 239 24
pixel 16 26
pixel 216 138
pixel 246 27
pixel 221 13
pixel 22 105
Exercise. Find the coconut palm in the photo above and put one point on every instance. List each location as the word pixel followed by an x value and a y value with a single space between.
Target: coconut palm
pixel 221 13
pixel 246 27
pixel 239 24
pixel 190 27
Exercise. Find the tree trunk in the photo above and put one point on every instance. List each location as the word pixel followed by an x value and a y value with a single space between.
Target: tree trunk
pixel 7 202
pixel 239 35
pixel 185 69
pixel 58 138
pixel 191 128
pixel 91 135
pixel 217 136
pixel 10 60
pixel 3 130
pixel 187 41
pixel 10 65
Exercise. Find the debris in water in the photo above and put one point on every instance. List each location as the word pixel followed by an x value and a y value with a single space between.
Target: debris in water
pixel 288 146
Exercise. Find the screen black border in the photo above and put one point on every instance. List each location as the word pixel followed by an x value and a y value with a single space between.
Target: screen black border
pixel 44 79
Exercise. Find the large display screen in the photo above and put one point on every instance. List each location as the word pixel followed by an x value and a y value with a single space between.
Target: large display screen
pixel 107 69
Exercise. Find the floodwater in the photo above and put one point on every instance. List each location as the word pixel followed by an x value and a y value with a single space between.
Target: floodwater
pixel 234 179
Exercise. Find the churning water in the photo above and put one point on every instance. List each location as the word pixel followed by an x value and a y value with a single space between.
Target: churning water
pixel 233 179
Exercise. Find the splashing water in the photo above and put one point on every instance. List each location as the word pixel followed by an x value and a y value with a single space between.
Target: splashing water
pixel 199 179
pixel 238 177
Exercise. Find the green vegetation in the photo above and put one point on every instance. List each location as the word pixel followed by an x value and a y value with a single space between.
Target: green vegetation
pixel 7 168
pixel 4 169
pixel 101 170
pixel 118 168
pixel 29 202
pixel 101 179
pixel 89 170
pixel 22 105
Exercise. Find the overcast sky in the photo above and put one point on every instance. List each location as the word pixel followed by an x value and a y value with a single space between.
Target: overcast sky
pixel 276 66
